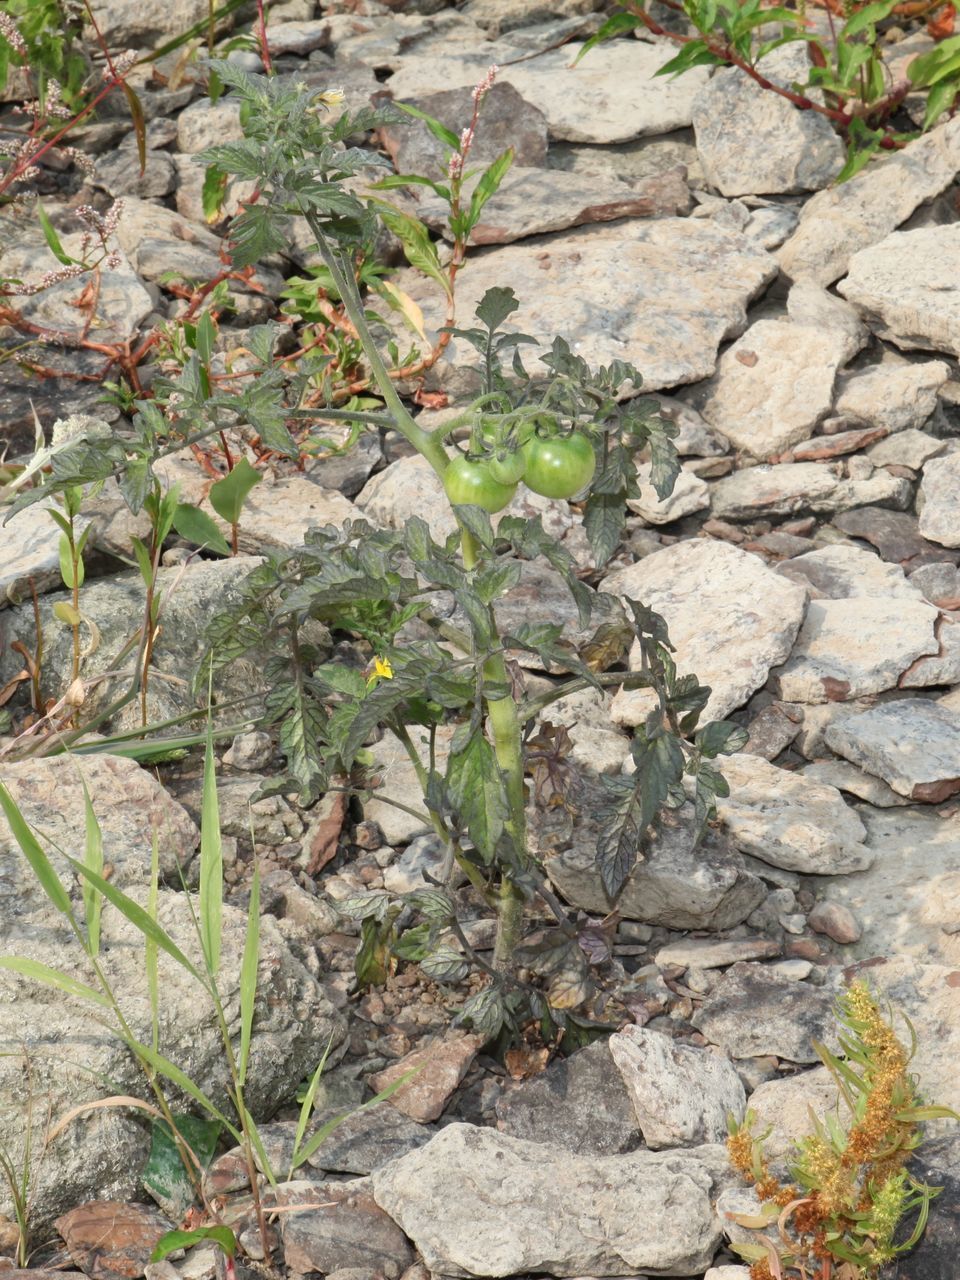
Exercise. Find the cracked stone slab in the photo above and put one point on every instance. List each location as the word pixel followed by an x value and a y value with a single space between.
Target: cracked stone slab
pixel 940 496
pixel 789 820
pixel 532 202
pixel 912 744
pixel 847 777
pixel 841 572
pixel 845 652
pixel 841 220
pixel 480 1203
pixel 774 385
pixel 30 552
pixel 612 95
pixel 752 1012
pixel 681 1094
pixel 899 287
pixel 752 142
pixel 598 287
pixel 690 494
pixel 730 619
pixel 787 488
pixel 895 396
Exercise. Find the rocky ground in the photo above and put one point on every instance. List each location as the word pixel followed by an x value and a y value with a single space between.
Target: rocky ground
pixel 805 338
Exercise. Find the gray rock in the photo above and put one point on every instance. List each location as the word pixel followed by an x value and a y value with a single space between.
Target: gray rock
pixel 339 1225
pixel 30 552
pixel 680 883
pixel 399 782
pixel 579 1103
pixel 730 619
pixel 480 1203
pixel 707 953
pixel 838 222
pixel 249 751
pixel 694 437
pixel 783 1106
pixel 367 1138
pixel 114 606
pixel 298 38
pixel 682 1095
pixel 424 854
pixel 940 583
pixel 774 385
pixel 206 124
pixel 848 778
pixel 897 285
pixel 752 1012
pixel 844 653
pixel 533 202
pixel 499 16
pixel 788 488
pixel 129 803
pixel 596 287
pixel 843 571
pixel 631 162
pixel 789 820
pixel 752 141
pixel 912 744
pixel 71 1055
pixel 122 302
pixel 507 120
pixel 143 25
pixel 909 448
pixel 617 79
pixel 690 494
pixel 940 495
pixel 896 536
pixel 895 396
pixel 118 172
pixel 597 744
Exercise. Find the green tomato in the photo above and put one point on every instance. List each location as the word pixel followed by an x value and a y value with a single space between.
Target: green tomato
pixel 558 466
pixel 469 481
pixel 507 465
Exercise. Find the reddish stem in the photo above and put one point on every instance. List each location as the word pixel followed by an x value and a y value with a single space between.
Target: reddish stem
pixel 262 39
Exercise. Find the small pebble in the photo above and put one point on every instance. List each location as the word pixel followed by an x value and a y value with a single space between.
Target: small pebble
pixel 836 921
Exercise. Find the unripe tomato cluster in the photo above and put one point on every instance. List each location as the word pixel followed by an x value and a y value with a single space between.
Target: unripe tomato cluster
pixel 555 466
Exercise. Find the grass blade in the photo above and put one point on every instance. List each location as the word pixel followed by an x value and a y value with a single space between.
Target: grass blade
pixel 326 1129
pixel 137 916
pixel 211 863
pixel 92 858
pixel 248 973
pixel 39 862
pixel 151 954
pixel 306 1108
pixel 180 1078
pixel 53 978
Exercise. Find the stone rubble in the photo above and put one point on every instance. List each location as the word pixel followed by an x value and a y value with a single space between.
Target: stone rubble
pixel 806 563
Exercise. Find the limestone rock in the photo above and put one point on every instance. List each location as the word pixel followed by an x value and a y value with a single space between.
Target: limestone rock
pixel 680 883
pixel 440 1067
pixel 898 286
pixel 895 396
pixel 70 1053
pixel 842 652
pixel 896 536
pixel 783 1107
pixel 125 26
pixel 848 778
pixel 682 1095
pixel 842 572
pixel 340 1226
pixel 707 953
pixel 841 220
pixel 908 448
pixel 612 95
pixel 788 488
pixel 789 820
pixel 597 287
pixel 753 142
pixel 129 804
pixel 480 1203
pixel 690 494
pixel 30 552
pixel 940 493
pixel 774 385
pixel 730 619
pixel 752 1012
pixel 532 202
pixel 579 1103
pixel 912 744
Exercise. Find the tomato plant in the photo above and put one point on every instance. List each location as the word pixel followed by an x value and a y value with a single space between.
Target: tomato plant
pixel 507 465
pixel 469 481
pixel 558 466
